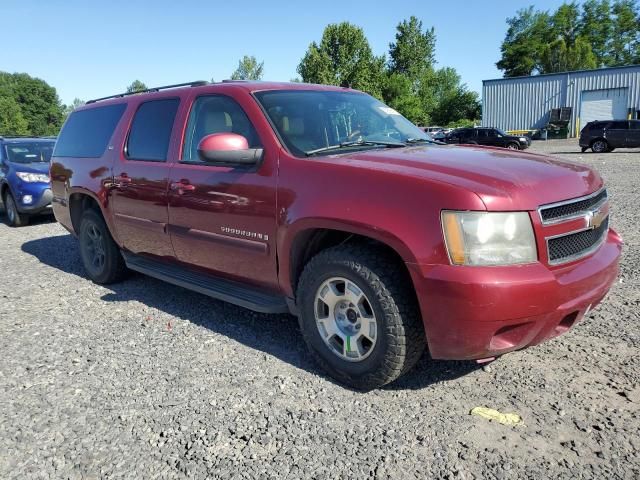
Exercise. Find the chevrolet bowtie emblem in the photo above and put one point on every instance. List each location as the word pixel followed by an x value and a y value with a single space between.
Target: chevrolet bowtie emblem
pixel 595 218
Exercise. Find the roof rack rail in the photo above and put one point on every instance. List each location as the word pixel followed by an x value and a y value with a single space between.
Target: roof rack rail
pixel 197 83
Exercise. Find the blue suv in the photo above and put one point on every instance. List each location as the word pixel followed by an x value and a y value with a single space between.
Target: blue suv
pixel 25 187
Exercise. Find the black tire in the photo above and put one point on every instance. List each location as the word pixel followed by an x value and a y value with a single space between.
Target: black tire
pixel 14 217
pixel 513 146
pixel 600 146
pixel 400 332
pixel 100 255
pixel 584 149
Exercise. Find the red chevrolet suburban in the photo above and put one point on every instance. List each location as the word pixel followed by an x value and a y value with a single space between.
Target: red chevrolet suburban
pixel 323 202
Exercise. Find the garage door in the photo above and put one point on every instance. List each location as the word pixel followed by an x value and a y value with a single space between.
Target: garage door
pixel 609 104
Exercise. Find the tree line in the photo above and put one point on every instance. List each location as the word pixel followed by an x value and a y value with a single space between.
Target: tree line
pixel 594 34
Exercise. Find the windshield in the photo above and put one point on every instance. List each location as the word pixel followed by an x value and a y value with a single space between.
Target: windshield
pixel 311 121
pixel 501 132
pixel 33 152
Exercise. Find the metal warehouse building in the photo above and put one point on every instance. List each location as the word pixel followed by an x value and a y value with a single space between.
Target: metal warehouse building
pixel 526 103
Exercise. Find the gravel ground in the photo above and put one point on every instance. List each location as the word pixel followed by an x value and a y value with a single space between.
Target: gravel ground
pixel 147 380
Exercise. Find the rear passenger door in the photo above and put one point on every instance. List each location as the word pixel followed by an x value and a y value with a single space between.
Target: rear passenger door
pixel 483 136
pixel 633 134
pixel 617 133
pixel 141 176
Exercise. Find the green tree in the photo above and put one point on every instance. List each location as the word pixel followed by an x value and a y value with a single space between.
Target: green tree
pixel 136 86
pixel 558 57
pixel 38 103
pixel 597 29
pixel 599 33
pixel 529 31
pixel 399 93
pixel 413 52
pixel 625 42
pixel 248 69
pixel 12 122
pixel 344 58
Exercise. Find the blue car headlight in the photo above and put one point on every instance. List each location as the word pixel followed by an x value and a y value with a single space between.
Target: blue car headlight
pixel 33 177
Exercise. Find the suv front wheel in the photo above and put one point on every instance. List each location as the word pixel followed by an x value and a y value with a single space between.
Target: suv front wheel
pixel 101 256
pixel 359 316
pixel 600 146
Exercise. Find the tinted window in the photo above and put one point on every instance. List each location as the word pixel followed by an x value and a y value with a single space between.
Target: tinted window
pixel 87 132
pixel 483 133
pixel 619 125
pixel 216 114
pixel 150 132
pixel 634 125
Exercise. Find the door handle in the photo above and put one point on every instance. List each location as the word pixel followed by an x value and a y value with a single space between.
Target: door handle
pixel 182 186
pixel 121 181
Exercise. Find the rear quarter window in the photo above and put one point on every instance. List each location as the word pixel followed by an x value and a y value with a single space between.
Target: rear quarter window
pixel 87 132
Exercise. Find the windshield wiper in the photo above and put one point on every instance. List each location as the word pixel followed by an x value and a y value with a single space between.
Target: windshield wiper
pixel 355 143
pixel 412 141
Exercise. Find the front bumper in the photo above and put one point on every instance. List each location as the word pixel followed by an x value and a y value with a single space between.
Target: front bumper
pixel 41 202
pixel 481 312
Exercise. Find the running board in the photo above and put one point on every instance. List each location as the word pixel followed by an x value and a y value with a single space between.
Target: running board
pixel 218 288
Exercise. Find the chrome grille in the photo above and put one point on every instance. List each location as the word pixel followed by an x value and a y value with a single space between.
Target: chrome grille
pixel 561 211
pixel 576 245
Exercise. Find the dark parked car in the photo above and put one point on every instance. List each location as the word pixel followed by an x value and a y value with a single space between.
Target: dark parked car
pixel 24 177
pixel 607 135
pixel 487 136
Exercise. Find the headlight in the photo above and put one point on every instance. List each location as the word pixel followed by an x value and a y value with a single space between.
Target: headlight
pixel 33 177
pixel 489 238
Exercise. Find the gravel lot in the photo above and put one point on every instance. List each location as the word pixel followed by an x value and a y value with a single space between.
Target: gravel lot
pixel 147 380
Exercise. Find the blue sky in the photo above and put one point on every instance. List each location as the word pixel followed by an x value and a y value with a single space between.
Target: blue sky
pixel 88 49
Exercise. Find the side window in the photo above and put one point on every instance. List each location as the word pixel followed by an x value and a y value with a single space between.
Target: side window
pixel 150 132
pixel 216 114
pixel 483 132
pixel 87 132
pixel 619 125
pixel 634 125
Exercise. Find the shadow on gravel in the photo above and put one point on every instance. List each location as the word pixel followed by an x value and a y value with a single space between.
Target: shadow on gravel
pixel 276 335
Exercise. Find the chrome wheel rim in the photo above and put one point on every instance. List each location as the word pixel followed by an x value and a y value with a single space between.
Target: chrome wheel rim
pixel 512 147
pixel 599 146
pixel 345 319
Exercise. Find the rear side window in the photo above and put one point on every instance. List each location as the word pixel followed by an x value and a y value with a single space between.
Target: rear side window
pixel 87 132
pixel 634 125
pixel 150 132
pixel 619 125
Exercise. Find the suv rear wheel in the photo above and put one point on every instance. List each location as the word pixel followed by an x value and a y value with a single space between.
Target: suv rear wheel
pixel 14 217
pixel 600 146
pixel 101 256
pixel 359 317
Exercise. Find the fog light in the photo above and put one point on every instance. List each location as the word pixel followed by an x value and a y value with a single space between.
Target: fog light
pixel 27 199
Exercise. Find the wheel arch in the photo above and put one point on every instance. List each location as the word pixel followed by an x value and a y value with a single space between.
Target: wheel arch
pixel 308 241
pixel 79 201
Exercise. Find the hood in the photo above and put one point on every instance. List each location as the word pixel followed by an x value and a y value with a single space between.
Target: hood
pixel 36 167
pixel 503 179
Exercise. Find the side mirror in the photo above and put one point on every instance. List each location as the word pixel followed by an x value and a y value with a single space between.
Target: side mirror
pixel 227 148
